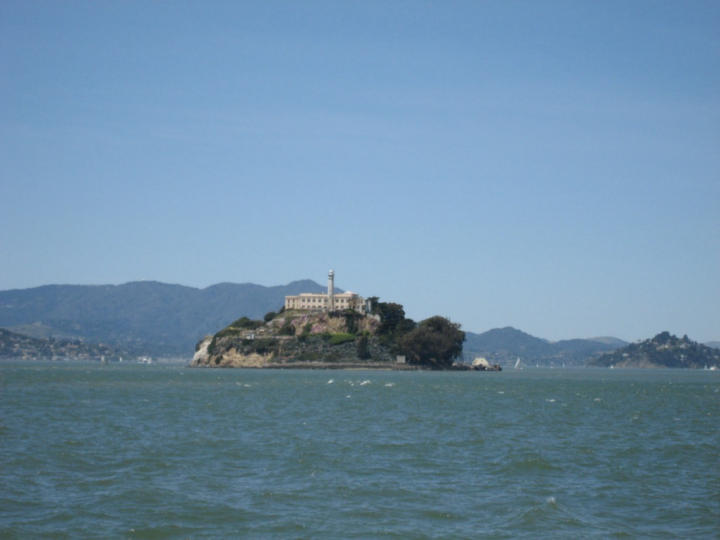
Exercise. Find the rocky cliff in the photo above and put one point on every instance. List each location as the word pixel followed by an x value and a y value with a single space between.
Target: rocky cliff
pixel 297 339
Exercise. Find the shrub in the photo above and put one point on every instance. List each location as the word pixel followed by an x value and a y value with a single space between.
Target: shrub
pixel 363 351
pixel 309 356
pixel 351 320
pixel 264 346
pixel 229 331
pixel 287 329
pixel 269 316
pixel 338 339
pixel 244 322
pixel 212 348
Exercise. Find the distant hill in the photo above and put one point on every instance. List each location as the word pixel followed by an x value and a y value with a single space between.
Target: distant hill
pixel 16 346
pixel 145 317
pixel 608 340
pixel 713 344
pixel 508 341
pixel 160 319
pixel 505 345
pixel 664 350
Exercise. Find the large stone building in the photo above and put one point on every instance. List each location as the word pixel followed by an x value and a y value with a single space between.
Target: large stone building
pixel 329 301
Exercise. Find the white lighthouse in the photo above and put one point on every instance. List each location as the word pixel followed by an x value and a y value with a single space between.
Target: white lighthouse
pixel 331 292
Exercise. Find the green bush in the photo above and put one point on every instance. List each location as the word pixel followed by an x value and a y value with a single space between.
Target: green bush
pixel 212 348
pixel 245 323
pixel 309 356
pixel 363 350
pixel 264 346
pixel 338 339
pixel 229 331
pixel 351 320
pixel 287 329
pixel 269 316
pixel 236 327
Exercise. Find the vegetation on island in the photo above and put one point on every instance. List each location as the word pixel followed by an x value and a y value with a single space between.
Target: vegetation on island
pixel 17 346
pixel 435 342
pixel 339 337
pixel 664 350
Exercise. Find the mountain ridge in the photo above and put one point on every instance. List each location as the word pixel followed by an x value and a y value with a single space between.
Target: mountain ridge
pixel 506 345
pixel 164 319
pixel 146 317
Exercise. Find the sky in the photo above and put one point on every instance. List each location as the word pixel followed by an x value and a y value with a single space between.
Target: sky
pixel 552 166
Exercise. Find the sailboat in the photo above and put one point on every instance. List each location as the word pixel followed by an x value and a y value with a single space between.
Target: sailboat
pixel 517 364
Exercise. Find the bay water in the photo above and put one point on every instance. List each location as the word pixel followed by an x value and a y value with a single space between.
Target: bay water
pixel 135 451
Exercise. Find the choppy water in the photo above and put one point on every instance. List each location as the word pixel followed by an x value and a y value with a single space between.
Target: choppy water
pixel 154 452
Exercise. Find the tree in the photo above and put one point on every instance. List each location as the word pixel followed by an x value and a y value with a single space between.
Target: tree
pixel 363 350
pixel 435 342
pixel 391 316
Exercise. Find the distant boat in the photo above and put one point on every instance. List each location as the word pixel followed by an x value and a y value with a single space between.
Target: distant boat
pixel 517 364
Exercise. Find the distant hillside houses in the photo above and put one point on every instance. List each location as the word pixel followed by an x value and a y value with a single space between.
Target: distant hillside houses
pixel 327 301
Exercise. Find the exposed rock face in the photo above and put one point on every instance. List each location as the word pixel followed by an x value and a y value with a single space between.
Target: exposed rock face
pixel 296 337
pixel 481 364
pixel 201 351
pixel 233 358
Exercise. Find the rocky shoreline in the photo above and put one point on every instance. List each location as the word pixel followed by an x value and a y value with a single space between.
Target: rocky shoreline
pixel 379 366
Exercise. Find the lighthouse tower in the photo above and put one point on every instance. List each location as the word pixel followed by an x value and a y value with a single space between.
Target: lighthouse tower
pixel 331 293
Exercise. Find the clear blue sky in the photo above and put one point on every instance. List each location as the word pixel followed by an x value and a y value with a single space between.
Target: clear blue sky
pixel 554 166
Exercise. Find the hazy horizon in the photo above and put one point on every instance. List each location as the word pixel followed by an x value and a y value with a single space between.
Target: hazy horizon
pixel 475 331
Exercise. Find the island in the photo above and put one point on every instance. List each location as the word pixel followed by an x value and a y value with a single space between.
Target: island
pixel 330 330
pixel 664 350
pixel 334 339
